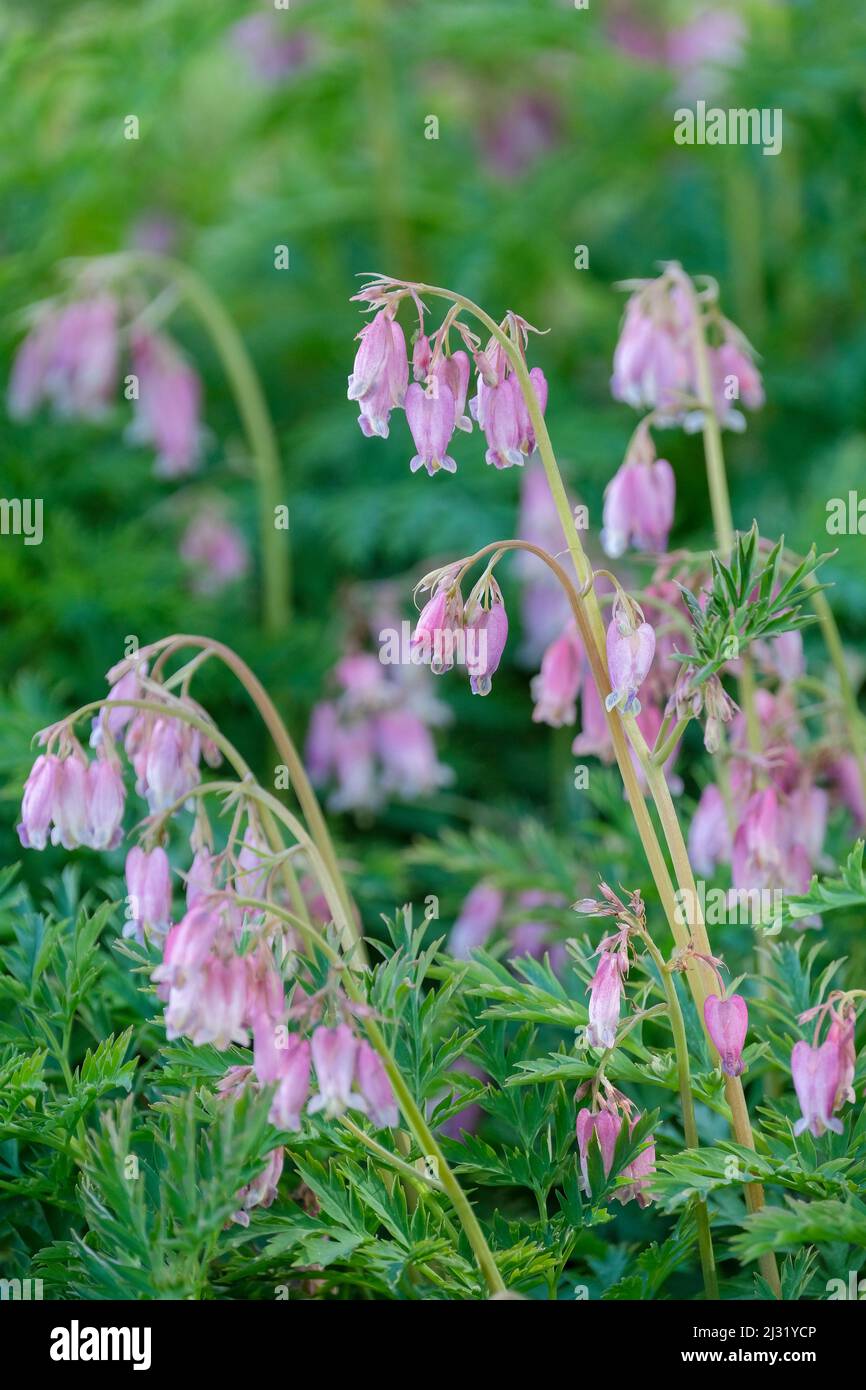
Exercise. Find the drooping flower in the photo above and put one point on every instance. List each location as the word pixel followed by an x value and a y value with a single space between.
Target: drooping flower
pixel 168 406
pixel 148 887
pixel 604 1125
pixel 69 359
pixel 487 633
pixel 293 1085
pixel 436 631
pixel 639 1171
pixel 262 1191
pixel 595 736
pixel 727 1023
pixel 735 378
pixel 525 427
pixel 39 800
pixel 106 795
pixel 841 1034
pixel 375 1086
pixel 166 760
pixel 215 551
pixel 606 988
pixel 70 803
pixel 630 649
pixel 498 412
pixel 765 856
pixel 556 687
pixel 652 364
pixel 410 767
pixel 201 879
pixel 380 376
pixel 639 507
pixel 710 841
pixel 432 418
pixel 478 916
pixel 334 1055
pixel 816 1072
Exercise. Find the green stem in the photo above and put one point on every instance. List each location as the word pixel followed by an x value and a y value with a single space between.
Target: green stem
pixel 257 424
pixel 690 1128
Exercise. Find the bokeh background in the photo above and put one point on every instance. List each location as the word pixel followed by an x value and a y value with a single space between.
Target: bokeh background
pixel 309 128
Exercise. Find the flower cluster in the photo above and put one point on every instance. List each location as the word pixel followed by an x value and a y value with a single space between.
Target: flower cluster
pixel 473 634
pixel 435 401
pixel 486 909
pixel 600 1124
pixel 71 360
pixel 823 1074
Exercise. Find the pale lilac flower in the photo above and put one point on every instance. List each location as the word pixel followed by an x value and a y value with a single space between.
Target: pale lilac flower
pixel 293 1085
pixel 639 1170
pixel 639 507
pixel 168 407
pixel 272 56
pixel 487 634
pixel 254 864
pixel 148 887
pixel 167 766
pixel 498 412
pixel 652 364
pixel 555 688
pixel 454 373
pixel 355 768
pixel 375 1086
pixel 115 720
pixel 630 650
pixel 477 918
pixel 710 841
pixel 410 767
pixel 334 1056
pixel 727 1023
pixel 848 787
pixel 816 1073
pixel 543 603
pixel 262 1191
pixel 201 879
pixel 320 747
pixel 841 1033
pixel 216 552
pixel 69 359
pixel 106 795
pixel 531 936
pixel 211 1005
pixel 605 1125
pixel 380 376
pixel 437 628
pixel 38 802
pixel 606 989
pixel 519 133
pixel 431 417
pixel 764 854
pixel 595 736
pixel 525 428
pixel 70 803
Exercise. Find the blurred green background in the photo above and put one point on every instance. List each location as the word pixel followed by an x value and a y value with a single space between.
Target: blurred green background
pixel 308 128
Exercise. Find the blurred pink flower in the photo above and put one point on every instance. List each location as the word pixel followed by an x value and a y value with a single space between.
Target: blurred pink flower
pixel 215 550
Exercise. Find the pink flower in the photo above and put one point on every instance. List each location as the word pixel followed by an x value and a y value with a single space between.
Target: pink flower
pixel 254 864
pixel 405 746
pixel 630 651
pixel 215 550
pixel 115 719
pixel 355 768
pixel 639 507
pixel 498 410
pixel 200 881
pixel 320 748
pixel 168 763
pixel 105 799
pixel 604 999
pixel 555 688
pixel 735 378
pixel 816 1072
pixel 605 1125
pixel 148 886
pixel 841 1034
pixel 70 803
pixel 848 787
pixel 271 55
pixel 764 854
pixel 639 1170
pixel 70 359
pixel 519 134
pixel 709 833
pixel 375 1086
pixel 525 428
pixel 727 1023
pixel 439 622
pixel 168 407
pixel 652 364
pixel 594 737
pixel 478 916
pixel 381 373
pixel 37 806
pixel 489 633
pixel 293 1085
pixel 334 1055
pixel 262 1191
pixel 431 417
